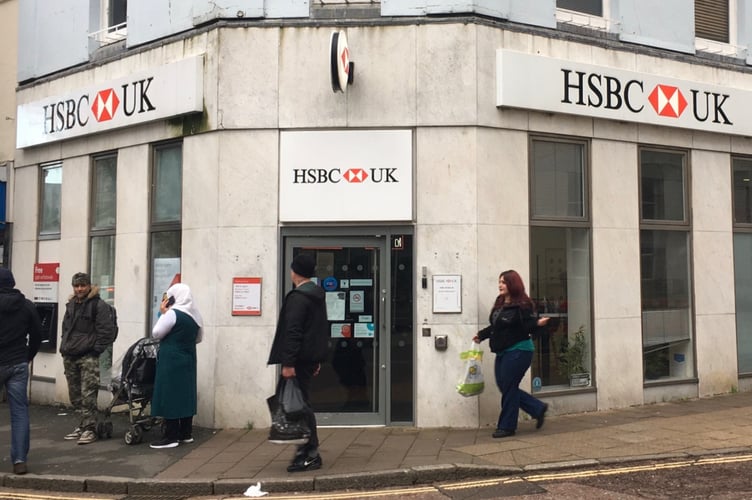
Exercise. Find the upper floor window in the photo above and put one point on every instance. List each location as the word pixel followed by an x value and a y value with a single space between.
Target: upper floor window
pixel 592 7
pixel 50 200
pixel 113 19
pixel 117 12
pixel 712 20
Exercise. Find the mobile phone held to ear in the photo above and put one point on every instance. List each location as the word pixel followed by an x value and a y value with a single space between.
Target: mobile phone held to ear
pixel 170 301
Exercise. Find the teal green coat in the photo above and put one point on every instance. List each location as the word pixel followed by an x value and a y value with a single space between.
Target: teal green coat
pixel 175 393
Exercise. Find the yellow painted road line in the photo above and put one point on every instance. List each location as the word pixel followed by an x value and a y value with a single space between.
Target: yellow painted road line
pixel 360 494
pixel 12 495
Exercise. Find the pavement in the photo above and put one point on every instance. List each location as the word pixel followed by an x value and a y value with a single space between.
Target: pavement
pixel 226 462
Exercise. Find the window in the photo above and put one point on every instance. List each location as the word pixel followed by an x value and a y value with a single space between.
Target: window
pixel 102 239
pixel 560 260
pixel 742 178
pixel 117 12
pixel 166 214
pixel 712 20
pixel 592 7
pixel 52 184
pixel 665 266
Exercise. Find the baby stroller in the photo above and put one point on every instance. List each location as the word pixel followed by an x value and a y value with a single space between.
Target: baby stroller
pixel 134 387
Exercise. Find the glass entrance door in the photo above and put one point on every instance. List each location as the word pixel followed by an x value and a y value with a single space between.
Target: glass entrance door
pixel 350 389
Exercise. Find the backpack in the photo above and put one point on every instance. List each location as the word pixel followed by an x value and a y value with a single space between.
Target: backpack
pixel 113 314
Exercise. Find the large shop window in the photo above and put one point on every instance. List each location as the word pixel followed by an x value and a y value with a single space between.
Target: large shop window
pixel 102 238
pixel 743 261
pixel 50 201
pixel 664 266
pixel 166 217
pixel 560 263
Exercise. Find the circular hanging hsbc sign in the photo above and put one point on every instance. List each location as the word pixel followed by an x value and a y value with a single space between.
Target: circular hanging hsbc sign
pixel 341 67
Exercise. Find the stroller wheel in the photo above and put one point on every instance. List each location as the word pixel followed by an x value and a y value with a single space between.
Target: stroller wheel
pixel 134 435
pixel 108 429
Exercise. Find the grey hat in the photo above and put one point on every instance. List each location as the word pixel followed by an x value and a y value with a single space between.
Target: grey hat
pixel 81 279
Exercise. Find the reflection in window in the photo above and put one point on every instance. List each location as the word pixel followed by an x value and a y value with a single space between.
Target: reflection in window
pixel 560 260
pixel 168 181
pixel 742 168
pixel 102 239
pixel 166 216
pixel 592 7
pixel 560 287
pixel 52 184
pixel 664 267
pixel 558 179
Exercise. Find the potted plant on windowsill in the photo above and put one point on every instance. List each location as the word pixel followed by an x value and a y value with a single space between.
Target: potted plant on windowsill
pixel 572 357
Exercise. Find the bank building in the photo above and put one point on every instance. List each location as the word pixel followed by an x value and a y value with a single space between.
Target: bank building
pixel 415 149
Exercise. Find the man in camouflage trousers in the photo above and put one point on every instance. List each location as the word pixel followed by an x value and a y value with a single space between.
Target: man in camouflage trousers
pixel 88 329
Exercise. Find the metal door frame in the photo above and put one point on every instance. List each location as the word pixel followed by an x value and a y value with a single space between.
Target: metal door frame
pixel 335 240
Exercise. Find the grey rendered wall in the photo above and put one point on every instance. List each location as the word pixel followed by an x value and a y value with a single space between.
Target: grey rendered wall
pixel 153 19
pixel 52 35
pixel 538 13
pixel 668 24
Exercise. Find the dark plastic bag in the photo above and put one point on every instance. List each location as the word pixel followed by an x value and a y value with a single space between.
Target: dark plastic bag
pixel 288 428
pixel 291 398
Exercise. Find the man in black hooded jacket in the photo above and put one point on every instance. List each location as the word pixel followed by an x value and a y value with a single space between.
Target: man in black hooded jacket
pixel 301 344
pixel 20 337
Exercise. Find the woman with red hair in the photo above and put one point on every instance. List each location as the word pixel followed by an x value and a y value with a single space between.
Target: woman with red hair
pixel 511 323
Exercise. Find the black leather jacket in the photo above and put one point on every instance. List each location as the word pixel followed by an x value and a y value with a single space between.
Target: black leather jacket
pixel 509 324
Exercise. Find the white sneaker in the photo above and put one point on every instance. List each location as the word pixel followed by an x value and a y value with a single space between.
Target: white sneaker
pixel 87 437
pixel 73 435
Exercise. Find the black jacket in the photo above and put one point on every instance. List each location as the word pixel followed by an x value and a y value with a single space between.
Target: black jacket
pixel 18 320
pixel 302 334
pixel 88 327
pixel 510 324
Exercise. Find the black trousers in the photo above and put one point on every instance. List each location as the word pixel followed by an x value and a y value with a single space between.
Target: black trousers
pixel 177 429
pixel 304 374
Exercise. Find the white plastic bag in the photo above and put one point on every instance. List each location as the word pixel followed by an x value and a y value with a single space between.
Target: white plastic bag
pixel 471 383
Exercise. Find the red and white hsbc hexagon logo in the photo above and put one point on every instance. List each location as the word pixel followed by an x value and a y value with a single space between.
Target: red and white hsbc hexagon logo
pixel 603 91
pixel 104 105
pixel 336 175
pixel 667 100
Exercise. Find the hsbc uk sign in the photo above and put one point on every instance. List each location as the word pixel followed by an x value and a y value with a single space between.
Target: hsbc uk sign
pixel 160 93
pixel 346 175
pixel 554 85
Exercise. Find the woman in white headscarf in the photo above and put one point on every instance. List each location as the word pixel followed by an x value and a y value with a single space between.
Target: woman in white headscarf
pixel 179 329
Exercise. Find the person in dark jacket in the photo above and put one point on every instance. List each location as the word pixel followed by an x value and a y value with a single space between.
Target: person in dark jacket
pixel 175 397
pixel 20 337
pixel 511 323
pixel 300 345
pixel 88 329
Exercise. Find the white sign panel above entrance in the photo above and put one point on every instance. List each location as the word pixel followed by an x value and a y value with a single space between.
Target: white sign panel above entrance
pixel 162 92
pixel 561 86
pixel 346 175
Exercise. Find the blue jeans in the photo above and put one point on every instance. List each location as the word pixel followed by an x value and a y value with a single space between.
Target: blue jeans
pixel 15 378
pixel 509 368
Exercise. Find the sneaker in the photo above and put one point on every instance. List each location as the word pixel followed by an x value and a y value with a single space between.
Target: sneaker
pixel 541 418
pixel 164 443
pixel 186 440
pixel 20 468
pixel 301 464
pixel 74 435
pixel 87 437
